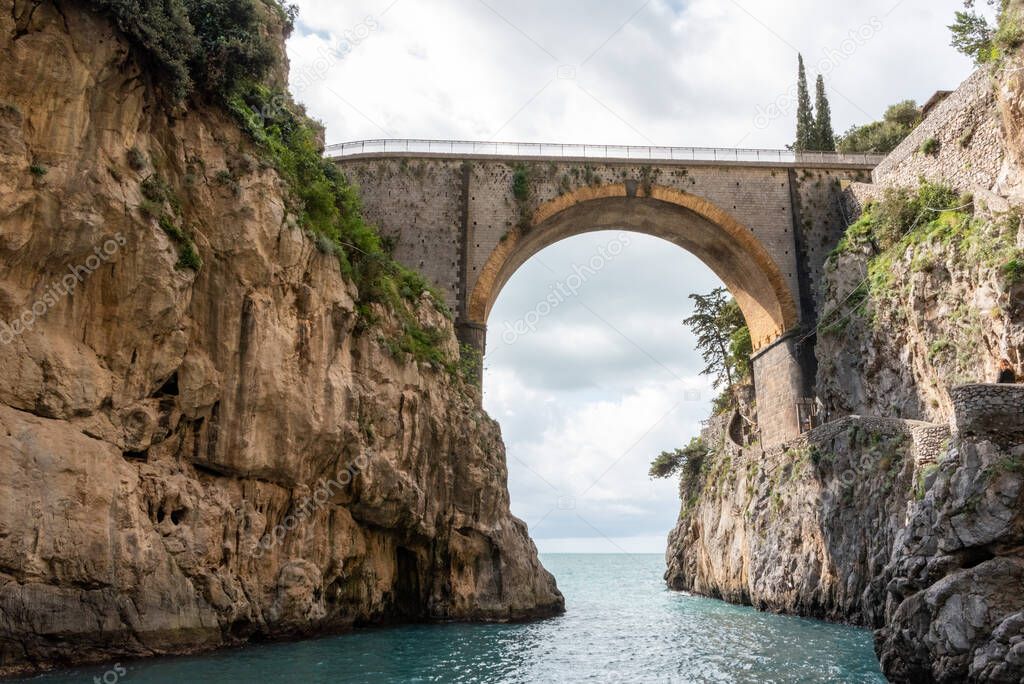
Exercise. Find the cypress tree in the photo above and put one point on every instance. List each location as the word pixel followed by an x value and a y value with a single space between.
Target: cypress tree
pixel 805 133
pixel 824 136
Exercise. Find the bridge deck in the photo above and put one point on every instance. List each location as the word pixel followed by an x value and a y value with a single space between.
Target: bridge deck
pixel 460 149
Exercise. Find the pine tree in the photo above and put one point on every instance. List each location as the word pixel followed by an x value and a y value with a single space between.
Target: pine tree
pixel 824 136
pixel 805 133
pixel 716 319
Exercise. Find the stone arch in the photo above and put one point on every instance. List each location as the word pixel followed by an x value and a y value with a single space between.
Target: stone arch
pixel 728 248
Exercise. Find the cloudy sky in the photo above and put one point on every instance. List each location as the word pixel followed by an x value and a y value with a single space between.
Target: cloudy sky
pixel 609 378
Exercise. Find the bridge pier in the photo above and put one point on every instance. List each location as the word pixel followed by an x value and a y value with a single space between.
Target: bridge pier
pixel 779 383
pixel 472 334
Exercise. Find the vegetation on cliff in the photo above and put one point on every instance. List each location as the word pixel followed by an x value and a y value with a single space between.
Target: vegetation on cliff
pixel 974 36
pixel 907 224
pixel 668 463
pixel 205 45
pixel 921 251
pixel 723 341
pixel 224 52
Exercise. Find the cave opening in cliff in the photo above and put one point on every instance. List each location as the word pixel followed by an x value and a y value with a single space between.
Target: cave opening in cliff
pixel 408 596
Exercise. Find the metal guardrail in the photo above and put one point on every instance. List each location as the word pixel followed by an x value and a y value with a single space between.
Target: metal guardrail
pixel 460 148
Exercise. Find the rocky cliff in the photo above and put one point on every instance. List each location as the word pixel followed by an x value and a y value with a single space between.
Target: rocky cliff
pixel 804 529
pixel 895 521
pixel 203 439
pixel 856 523
pixel 954 609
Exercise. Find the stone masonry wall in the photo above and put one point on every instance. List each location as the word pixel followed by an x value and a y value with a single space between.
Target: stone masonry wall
pixel 856 196
pixel 927 439
pixel 758 197
pixel 989 411
pixel 822 220
pixel 967 128
pixel 779 381
pixel 419 202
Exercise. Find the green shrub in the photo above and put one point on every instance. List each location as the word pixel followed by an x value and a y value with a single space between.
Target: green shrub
pixel 882 137
pixel 37 170
pixel 168 226
pixel 1010 33
pixel 162 30
pixel 521 183
pixel 930 147
pixel 741 348
pixel 136 160
pixel 903 221
pixel 689 460
pixel 1013 269
pixel 153 189
pixel 151 209
pixel 230 43
pixel 226 179
pixel 207 44
pixel 471 364
pixel 188 257
pixel 976 38
pixel 887 221
pixel 939 347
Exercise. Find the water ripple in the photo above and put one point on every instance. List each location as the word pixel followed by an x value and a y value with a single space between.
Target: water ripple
pixel 622 625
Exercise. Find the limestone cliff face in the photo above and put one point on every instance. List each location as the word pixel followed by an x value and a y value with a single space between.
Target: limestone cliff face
pixel 853 523
pixel 192 458
pixel 954 607
pixel 806 529
pixel 950 315
pixel 894 521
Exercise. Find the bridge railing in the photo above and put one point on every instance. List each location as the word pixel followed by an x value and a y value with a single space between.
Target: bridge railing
pixel 458 148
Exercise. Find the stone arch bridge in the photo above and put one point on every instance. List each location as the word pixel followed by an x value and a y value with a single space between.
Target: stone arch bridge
pixel 467 215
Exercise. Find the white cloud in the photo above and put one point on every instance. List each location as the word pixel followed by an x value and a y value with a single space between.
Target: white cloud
pixel 598 389
pixel 678 73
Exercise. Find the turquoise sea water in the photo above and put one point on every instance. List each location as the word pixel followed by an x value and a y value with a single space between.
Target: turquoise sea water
pixel 622 625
